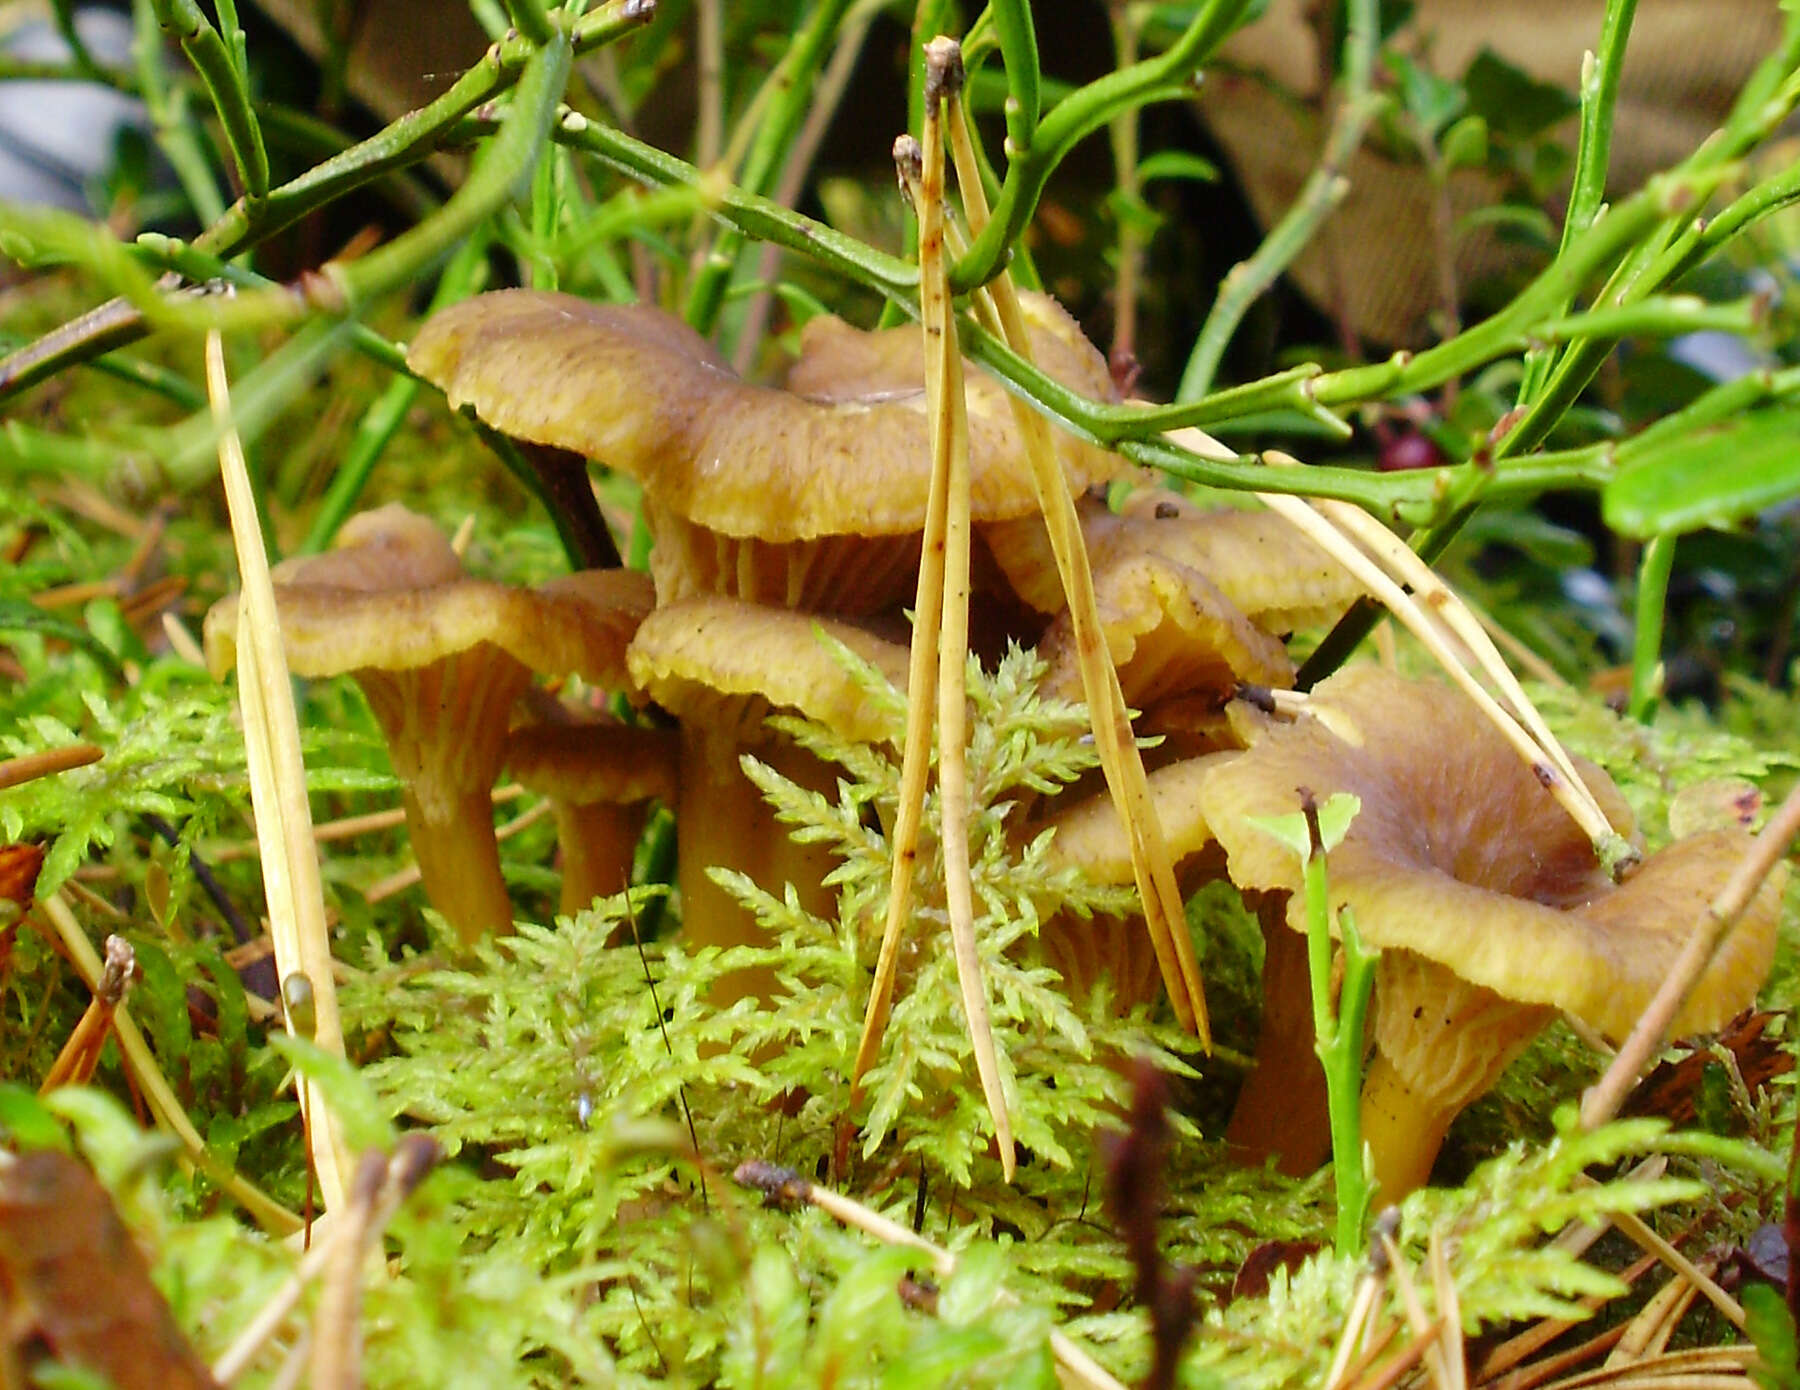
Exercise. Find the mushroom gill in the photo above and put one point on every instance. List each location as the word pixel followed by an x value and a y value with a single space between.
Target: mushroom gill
pixel 1486 900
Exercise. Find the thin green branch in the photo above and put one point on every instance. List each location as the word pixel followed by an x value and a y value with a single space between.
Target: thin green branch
pixel 1593 150
pixel 788 94
pixel 500 172
pixel 215 60
pixel 177 135
pixel 1162 78
pixel 1019 52
pixel 1646 653
pixel 531 20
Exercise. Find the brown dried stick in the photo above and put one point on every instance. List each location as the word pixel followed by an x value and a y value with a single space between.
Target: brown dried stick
pixel 1604 1098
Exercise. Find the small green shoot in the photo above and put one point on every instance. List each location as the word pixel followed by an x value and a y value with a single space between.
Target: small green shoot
pixel 1312 832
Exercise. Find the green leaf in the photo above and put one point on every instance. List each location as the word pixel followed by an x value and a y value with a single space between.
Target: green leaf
pixel 1514 103
pixel 1717 477
pixel 1771 1328
pixel 26 1123
pixel 1177 164
pixel 1465 144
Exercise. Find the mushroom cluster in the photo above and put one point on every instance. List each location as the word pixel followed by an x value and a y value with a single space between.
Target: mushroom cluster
pixel 811 498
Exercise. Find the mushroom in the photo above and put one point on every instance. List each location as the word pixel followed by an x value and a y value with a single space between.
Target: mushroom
pixel 1091 837
pixel 812 497
pixel 442 658
pixel 720 666
pixel 600 778
pixel 1270 572
pixel 1171 635
pixel 1486 900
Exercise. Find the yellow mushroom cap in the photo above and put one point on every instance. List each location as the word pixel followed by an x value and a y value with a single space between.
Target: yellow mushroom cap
pixel 1090 834
pixel 1459 855
pixel 393 597
pixel 638 390
pixel 723 659
pixel 1170 633
pixel 595 762
pixel 1276 576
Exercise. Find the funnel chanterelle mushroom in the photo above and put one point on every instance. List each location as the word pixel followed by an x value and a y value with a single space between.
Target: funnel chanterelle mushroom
pixel 1487 902
pixel 811 497
pixel 720 666
pixel 1269 571
pixel 600 777
pixel 442 658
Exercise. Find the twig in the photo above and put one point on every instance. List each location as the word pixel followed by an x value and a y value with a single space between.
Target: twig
pixel 28 767
pixel 940 647
pixel 74 1065
pixel 141 1066
pixel 1603 1100
pixel 1323 190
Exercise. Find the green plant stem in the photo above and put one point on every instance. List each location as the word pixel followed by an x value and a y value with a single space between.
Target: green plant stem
pixel 1593 150
pixel 1019 52
pixel 500 171
pixel 177 136
pixel 1029 167
pixel 216 62
pixel 1325 188
pixel 406 141
pixel 1646 653
pixel 788 95
pixel 531 20
pixel 1338 1035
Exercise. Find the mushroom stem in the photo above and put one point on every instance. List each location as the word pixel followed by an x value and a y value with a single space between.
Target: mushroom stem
pixel 1281 1109
pixel 1403 1129
pixel 599 841
pixel 459 862
pixel 722 820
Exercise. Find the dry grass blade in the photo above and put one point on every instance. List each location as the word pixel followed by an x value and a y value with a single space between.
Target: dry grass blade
pixel 1427 623
pixel 1604 1098
pixel 1425 1332
pixel 74 1065
pixel 1165 914
pixel 290 862
pixel 140 1065
pixel 946 563
pixel 915 761
pixel 784 1186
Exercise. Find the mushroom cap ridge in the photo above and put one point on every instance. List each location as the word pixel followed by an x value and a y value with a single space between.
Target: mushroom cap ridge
pixel 639 391
pixel 1460 856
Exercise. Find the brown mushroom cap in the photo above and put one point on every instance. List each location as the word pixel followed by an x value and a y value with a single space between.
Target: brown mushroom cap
pixel 638 390
pixel 598 777
pixel 725 662
pixel 1170 633
pixel 584 763
pixel 1276 576
pixel 1459 855
pixel 393 596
